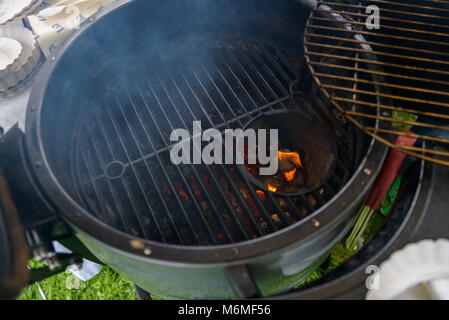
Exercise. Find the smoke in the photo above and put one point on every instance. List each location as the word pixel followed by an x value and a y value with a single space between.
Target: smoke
pixel 130 52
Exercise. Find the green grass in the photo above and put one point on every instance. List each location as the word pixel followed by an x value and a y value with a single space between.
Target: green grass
pixel 107 285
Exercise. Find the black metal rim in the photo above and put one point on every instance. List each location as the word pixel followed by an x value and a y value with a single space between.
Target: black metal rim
pixel 241 252
pixel 351 277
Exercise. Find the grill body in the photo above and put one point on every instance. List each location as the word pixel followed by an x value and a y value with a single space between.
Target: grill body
pixel 177 263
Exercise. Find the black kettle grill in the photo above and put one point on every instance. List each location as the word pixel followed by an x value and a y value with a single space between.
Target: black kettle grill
pixel 92 169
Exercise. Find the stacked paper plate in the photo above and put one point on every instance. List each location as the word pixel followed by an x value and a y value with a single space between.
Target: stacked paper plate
pixel 10 51
pixel 19 55
pixel 11 10
pixel 418 271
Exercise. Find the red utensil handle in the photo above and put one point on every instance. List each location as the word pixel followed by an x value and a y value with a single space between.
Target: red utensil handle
pixel 389 172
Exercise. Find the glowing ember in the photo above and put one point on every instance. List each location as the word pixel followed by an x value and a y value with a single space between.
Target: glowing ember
pixel 293 157
pixel 166 189
pixel 261 194
pixel 181 191
pixel 290 175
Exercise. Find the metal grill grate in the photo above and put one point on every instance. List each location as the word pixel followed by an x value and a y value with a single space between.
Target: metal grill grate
pixel 122 168
pixel 397 75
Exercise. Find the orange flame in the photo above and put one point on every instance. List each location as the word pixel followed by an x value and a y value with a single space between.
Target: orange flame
pixel 290 175
pixel 291 156
pixel 261 194
pixel 294 158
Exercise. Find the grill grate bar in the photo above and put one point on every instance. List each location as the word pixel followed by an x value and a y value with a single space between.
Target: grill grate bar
pixel 320 197
pixel 386 84
pixel 436 152
pixel 411 13
pixel 398 133
pixel 374 105
pixel 380 63
pixel 257 88
pixel 380 35
pixel 165 149
pixel 293 208
pixel 362 15
pixel 282 213
pixel 112 190
pixel 249 186
pixel 377 44
pixel 217 213
pixel 229 87
pixel 288 64
pixel 195 171
pixel 123 182
pixel 277 210
pixel 277 81
pixel 136 175
pixel 355 77
pixel 178 200
pixel 273 201
pixel 410 5
pixel 238 80
pixel 404 70
pixel 410 30
pixel 95 187
pixel 278 68
pixel 378 53
pixel 222 96
pixel 236 192
pixel 436 103
pixel 225 199
pixel 279 84
pixel 414 123
pixel 380 73
pixel 323 113
pixel 232 56
pixel 224 85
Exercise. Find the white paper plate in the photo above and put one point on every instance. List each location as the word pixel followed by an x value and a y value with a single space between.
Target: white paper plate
pixel 28 59
pixel 417 263
pixel 10 51
pixel 30 10
pixel 10 10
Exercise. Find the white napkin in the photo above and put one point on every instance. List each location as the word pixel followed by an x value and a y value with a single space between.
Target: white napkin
pixel 88 271
pixel 57 19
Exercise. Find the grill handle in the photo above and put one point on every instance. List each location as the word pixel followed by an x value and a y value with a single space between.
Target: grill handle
pixel 33 206
pixel 389 172
pixel 38 219
pixel 13 248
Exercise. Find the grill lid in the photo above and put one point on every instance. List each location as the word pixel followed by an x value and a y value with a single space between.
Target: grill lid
pixel 397 75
